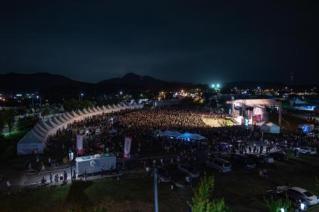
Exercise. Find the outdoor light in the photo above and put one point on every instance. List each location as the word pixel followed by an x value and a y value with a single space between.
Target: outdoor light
pixel 302 206
pixel 215 86
pixel 282 210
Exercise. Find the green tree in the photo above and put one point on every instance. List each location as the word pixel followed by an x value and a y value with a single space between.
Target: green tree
pixel 202 201
pixel 7 117
pixel 276 205
pixel 316 186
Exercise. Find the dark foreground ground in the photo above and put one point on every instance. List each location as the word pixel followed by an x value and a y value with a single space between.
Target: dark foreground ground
pixel 242 191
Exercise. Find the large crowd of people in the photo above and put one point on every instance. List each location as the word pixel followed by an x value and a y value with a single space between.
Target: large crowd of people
pixel 106 133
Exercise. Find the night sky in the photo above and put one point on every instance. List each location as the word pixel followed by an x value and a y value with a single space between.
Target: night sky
pixel 192 41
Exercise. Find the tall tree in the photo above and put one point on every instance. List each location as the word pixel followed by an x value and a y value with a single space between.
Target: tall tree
pixel 202 201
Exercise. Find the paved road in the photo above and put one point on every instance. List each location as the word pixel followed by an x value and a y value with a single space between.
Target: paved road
pixel 29 178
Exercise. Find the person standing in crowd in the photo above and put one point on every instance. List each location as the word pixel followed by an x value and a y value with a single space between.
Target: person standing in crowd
pixel 56 178
pixel 65 176
pixel 43 180
pixel 51 177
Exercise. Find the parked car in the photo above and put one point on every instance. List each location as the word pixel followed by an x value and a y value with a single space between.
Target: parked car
pixel 188 169
pixel 179 179
pixel 163 176
pixel 305 196
pixel 244 160
pixel 297 204
pixel 268 159
pixel 300 194
pixel 262 159
pixel 279 156
pixel 307 150
pixel 219 164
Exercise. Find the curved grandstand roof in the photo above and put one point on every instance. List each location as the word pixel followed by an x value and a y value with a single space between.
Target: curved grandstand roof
pixel 44 128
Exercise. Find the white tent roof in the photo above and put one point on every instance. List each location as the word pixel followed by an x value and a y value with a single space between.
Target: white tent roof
pixel 169 133
pixel 191 136
pixel 270 127
pixel 35 139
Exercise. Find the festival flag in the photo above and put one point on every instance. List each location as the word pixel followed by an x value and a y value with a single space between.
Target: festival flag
pixel 127 147
pixel 79 144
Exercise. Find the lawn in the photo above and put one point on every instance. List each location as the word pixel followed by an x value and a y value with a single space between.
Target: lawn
pixel 132 193
pixel 242 191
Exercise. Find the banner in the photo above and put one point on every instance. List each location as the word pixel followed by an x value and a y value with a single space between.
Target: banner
pixel 127 147
pixel 79 144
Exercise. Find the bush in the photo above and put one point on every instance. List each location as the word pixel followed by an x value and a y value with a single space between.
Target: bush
pixel 202 202
pixel 276 205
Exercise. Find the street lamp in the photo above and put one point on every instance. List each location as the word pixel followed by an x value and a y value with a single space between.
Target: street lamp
pixel 39 99
pixel 81 96
pixel 155 186
pixel 215 86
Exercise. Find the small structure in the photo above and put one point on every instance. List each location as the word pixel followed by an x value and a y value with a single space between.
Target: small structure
pixel 191 137
pixel 169 134
pixel 32 144
pixel 253 111
pixel 270 128
pixel 306 128
pixel 181 136
pixel 93 164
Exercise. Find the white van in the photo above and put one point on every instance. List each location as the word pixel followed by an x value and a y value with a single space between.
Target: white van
pixel 219 164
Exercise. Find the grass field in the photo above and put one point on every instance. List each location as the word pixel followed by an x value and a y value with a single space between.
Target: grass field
pixel 128 194
pixel 242 191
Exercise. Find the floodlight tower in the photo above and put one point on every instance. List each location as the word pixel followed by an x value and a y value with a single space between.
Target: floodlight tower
pixel 215 86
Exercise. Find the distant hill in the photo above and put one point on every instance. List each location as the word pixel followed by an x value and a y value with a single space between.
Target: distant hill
pixel 58 85
pixel 133 81
pixel 14 82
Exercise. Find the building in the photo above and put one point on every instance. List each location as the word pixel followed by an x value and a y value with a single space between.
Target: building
pixel 253 111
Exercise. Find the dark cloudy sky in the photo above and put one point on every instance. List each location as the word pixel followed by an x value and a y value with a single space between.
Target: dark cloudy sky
pixel 187 40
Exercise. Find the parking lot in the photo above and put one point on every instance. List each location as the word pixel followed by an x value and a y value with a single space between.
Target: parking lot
pixel 245 186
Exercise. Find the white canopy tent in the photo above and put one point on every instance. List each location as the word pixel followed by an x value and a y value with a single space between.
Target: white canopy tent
pixel 169 134
pixel 270 127
pixel 191 137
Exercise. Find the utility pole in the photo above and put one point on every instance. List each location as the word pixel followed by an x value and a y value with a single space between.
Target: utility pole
pixel 155 190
